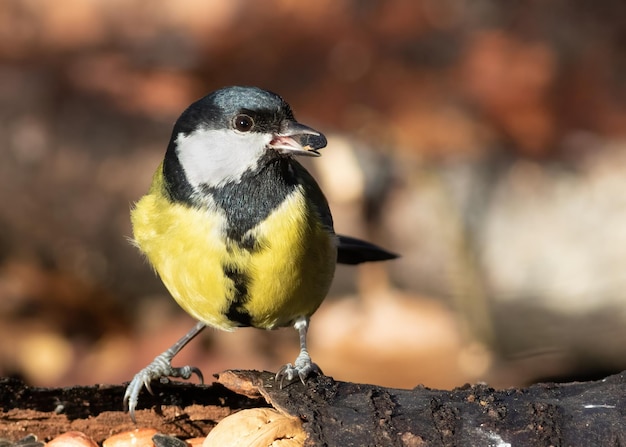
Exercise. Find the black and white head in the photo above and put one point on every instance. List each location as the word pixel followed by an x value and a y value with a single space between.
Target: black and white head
pixel 229 133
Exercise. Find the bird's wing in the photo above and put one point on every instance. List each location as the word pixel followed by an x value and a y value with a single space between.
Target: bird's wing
pixel 355 251
pixel 350 250
pixel 314 195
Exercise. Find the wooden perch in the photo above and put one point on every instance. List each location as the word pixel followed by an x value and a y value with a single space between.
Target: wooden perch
pixel 336 413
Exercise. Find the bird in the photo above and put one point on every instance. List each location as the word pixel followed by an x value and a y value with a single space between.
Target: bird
pixel 238 231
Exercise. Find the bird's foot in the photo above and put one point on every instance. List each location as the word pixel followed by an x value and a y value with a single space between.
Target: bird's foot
pixel 302 368
pixel 160 368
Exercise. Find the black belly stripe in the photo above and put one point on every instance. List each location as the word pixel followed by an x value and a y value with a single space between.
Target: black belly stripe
pixel 236 311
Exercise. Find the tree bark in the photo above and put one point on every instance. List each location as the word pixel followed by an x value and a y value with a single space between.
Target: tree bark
pixel 336 413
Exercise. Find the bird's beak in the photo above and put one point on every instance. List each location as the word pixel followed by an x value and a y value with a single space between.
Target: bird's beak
pixel 297 139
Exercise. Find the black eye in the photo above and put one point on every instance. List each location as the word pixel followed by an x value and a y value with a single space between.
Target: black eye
pixel 243 123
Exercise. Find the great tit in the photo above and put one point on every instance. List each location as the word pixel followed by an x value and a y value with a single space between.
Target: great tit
pixel 238 231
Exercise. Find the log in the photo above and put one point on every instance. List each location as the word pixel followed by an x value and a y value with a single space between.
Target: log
pixel 335 413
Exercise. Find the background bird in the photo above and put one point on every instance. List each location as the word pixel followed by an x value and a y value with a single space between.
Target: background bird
pixel 238 231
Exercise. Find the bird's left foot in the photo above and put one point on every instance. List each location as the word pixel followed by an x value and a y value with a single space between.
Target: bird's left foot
pixel 302 368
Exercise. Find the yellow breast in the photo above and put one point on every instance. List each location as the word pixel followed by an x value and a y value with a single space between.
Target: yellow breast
pixel 286 275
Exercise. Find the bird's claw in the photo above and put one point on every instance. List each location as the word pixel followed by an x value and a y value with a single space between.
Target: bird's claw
pixel 302 368
pixel 161 369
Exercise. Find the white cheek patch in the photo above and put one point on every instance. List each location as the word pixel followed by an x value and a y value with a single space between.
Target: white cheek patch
pixel 215 157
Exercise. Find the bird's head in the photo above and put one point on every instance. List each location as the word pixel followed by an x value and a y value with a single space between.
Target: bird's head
pixel 232 131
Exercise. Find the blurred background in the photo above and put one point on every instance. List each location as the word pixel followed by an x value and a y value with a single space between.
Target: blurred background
pixel 484 141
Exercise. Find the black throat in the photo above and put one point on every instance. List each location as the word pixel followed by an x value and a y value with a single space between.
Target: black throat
pixel 246 202
pixel 250 200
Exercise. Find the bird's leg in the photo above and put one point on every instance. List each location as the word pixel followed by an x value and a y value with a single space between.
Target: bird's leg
pixel 161 368
pixel 303 367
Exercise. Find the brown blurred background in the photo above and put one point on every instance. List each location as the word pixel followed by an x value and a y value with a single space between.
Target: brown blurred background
pixel 482 140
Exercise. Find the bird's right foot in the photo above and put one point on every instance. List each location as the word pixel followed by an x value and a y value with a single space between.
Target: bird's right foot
pixel 160 368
